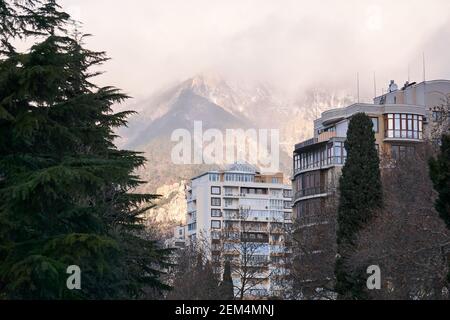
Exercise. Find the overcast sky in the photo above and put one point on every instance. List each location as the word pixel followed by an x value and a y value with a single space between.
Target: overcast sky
pixel 294 44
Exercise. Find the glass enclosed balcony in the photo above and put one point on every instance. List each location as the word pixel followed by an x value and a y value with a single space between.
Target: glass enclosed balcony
pixel 403 126
pixel 323 155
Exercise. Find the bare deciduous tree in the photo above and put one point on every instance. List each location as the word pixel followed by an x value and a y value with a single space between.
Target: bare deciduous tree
pixel 440 123
pixel 314 252
pixel 245 244
pixel 407 239
pixel 193 276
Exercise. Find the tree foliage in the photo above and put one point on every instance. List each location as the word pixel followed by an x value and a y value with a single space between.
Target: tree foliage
pixel 360 195
pixel 20 19
pixel 227 283
pixel 440 175
pixel 193 276
pixel 64 187
pixel 406 239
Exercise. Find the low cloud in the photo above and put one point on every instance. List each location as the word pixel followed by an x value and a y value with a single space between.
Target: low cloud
pixel 293 44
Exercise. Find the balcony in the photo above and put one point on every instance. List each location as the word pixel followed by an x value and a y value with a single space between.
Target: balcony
pixel 191 208
pixel 231 195
pixel 306 143
pixel 327 163
pixel 231 206
pixel 403 135
pixel 233 215
pixel 255 229
pixel 326 136
pixel 277 229
pixel 310 192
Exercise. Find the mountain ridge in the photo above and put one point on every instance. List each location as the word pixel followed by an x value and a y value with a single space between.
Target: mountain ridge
pixel 222 105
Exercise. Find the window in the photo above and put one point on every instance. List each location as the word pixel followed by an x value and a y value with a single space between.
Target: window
pixel 254 191
pixel 275 180
pixel 402 152
pixel 401 125
pixel 239 177
pixel 333 153
pixel 287 193
pixel 437 116
pixel 340 154
pixel 216 224
pixel 228 202
pixel 216 202
pixel 330 129
pixel 216 213
pixel 376 125
pixel 308 208
pixel 216 190
pixel 214 177
pixel 308 184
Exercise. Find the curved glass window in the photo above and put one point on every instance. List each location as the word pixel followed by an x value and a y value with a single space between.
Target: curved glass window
pixel 405 126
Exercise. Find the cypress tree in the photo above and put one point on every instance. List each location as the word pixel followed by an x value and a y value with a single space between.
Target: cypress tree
pixel 227 283
pixel 440 175
pixel 64 187
pixel 360 195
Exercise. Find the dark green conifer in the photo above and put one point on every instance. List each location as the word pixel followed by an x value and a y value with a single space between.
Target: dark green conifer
pixel 360 195
pixel 227 283
pixel 440 175
pixel 64 187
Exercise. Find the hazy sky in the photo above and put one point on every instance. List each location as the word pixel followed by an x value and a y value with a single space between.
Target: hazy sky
pixel 294 44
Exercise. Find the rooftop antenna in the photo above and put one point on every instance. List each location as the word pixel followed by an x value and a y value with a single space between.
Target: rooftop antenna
pixel 424 80
pixel 424 68
pixel 357 83
pixel 409 73
pixel 374 85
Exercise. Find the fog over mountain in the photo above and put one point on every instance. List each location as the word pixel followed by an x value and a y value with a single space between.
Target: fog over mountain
pixel 252 64
pixel 219 104
pixel 292 44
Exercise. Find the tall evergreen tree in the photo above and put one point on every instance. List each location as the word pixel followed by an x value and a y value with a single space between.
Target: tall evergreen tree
pixel 360 195
pixel 64 187
pixel 227 283
pixel 20 19
pixel 440 175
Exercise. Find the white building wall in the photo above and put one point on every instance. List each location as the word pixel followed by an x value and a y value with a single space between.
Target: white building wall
pixel 341 129
pixel 263 208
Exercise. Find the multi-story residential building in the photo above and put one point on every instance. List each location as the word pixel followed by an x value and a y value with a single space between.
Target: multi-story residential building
pixel 401 119
pixel 239 211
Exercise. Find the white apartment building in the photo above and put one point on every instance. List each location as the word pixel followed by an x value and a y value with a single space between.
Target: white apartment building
pixel 237 207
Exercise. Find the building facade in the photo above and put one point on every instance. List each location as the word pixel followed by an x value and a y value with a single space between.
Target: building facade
pixel 242 216
pixel 402 118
